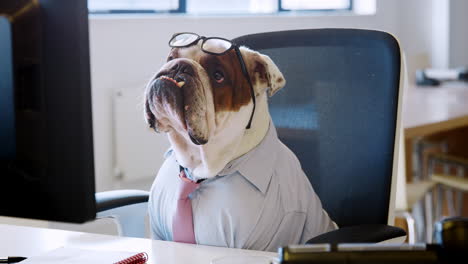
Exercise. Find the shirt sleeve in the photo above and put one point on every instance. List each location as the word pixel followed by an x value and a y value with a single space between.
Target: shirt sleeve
pixel 159 192
pixel 155 232
pixel 317 222
pixel 285 233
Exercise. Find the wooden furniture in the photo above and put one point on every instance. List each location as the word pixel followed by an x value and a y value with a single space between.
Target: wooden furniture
pixel 32 241
pixel 451 179
pixel 431 110
pixel 428 111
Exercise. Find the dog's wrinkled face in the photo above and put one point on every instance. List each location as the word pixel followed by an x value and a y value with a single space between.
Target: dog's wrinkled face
pixel 196 93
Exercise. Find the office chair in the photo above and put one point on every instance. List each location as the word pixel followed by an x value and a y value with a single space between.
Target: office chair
pixel 339 113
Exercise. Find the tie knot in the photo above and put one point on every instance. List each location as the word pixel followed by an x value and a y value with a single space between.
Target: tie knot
pixel 186 186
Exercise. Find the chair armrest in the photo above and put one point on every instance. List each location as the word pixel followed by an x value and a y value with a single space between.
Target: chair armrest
pixel 113 199
pixel 372 233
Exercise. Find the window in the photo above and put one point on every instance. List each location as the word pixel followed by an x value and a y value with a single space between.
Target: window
pixel 231 6
pixel 296 5
pixel 136 6
pixel 215 6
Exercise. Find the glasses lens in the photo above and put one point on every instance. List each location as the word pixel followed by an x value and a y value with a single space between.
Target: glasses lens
pixel 216 45
pixel 182 40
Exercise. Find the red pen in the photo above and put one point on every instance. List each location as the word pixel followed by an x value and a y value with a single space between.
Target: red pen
pixel 139 258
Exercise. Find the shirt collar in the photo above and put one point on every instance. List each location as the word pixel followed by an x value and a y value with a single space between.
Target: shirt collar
pixel 257 165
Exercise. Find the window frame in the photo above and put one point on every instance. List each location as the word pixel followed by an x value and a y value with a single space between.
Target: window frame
pixel 182 9
pixel 281 9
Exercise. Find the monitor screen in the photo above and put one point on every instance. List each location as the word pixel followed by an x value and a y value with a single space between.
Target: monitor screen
pixel 46 143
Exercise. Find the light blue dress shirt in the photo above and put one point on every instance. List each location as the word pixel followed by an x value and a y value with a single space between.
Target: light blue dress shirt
pixel 262 201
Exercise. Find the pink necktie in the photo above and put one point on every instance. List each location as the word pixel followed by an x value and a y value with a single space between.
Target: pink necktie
pixel 182 222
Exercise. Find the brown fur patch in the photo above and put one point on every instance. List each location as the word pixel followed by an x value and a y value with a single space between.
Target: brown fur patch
pixel 260 74
pixel 234 91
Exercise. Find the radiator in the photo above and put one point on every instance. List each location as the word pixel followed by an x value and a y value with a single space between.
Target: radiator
pixel 138 149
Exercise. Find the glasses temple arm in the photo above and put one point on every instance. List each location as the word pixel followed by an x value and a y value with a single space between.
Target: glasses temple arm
pixel 247 76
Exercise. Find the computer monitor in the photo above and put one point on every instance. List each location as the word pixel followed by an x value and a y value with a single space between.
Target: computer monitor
pixel 46 140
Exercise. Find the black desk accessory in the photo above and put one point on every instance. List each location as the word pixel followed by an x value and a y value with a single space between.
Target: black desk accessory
pixel 451 246
pixel 434 77
pixel 11 259
pixel 451 234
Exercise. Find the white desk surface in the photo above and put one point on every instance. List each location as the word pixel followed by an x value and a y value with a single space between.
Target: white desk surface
pixel 31 241
pixel 429 110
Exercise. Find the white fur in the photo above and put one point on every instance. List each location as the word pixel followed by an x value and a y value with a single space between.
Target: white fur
pixel 228 136
pixel 230 141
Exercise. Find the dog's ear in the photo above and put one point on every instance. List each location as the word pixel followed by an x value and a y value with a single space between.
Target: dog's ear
pixel 267 68
pixel 263 72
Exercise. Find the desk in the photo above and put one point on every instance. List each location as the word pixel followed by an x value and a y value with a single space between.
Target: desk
pixel 428 110
pixel 31 241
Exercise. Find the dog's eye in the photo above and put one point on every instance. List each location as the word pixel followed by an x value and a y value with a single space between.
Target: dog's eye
pixel 170 58
pixel 218 76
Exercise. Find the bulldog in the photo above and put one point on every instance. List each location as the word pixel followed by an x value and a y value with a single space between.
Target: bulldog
pixel 247 188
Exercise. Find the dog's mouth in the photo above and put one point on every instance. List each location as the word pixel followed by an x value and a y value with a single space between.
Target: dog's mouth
pixel 177 94
pixel 179 83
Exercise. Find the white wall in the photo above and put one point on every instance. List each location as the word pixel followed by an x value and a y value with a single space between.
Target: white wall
pixel 127 50
pixel 414 29
pixel 449 33
pixel 458 43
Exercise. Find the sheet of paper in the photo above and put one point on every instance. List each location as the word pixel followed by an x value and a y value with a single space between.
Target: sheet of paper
pixel 78 256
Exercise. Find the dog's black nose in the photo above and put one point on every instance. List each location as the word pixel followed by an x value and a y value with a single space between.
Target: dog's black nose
pixel 178 69
pixel 181 68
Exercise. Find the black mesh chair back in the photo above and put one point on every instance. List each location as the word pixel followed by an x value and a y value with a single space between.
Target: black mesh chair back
pixel 338 114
